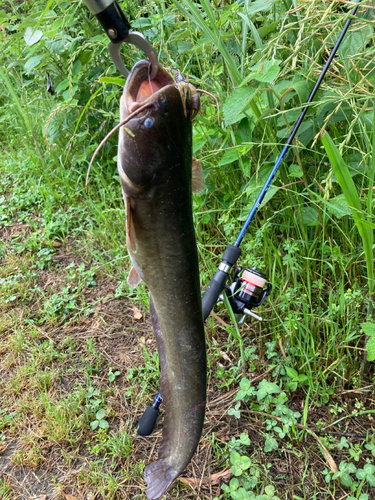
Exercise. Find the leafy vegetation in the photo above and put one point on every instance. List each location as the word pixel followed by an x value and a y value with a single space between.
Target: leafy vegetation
pixel 289 411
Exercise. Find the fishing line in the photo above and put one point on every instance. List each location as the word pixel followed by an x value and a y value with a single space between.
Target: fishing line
pixel 132 115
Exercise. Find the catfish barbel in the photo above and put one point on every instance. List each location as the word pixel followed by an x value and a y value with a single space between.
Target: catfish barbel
pixel 157 179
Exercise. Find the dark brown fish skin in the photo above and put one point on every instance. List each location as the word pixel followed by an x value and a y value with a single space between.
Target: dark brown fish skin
pixel 156 157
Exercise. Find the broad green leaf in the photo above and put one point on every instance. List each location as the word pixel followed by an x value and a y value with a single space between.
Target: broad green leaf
pixel 310 216
pixel 77 65
pixel 31 37
pixel 305 126
pixel 338 206
pixel 346 480
pixel 235 457
pixel 291 372
pixel 303 88
pixel 370 346
pixel 245 384
pixel 259 6
pixel 270 444
pixel 295 171
pixel 245 462
pixel 100 414
pixel 33 62
pixel 98 38
pixel 368 328
pixel 269 490
pixel 360 474
pixel 237 103
pixel 234 483
pixel 62 85
pixel 254 192
pixel 291 386
pixel 244 438
pixel 94 425
pixel 142 22
pixel 369 468
pixel 234 412
pixel 233 155
pixel 181 34
pixel 355 41
pixel 264 71
pixel 198 143
pixel 183 46
pixel 266 388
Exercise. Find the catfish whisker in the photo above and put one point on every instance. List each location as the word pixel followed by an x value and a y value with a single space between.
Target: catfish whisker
pixel 132 115
pixel 213 97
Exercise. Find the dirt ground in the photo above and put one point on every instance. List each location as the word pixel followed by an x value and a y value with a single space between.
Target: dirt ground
pixel 122 334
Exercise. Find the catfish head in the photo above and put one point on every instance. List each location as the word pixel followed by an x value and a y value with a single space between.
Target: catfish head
pixel 155 146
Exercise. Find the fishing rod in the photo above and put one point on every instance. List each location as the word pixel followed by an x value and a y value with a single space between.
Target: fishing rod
pixel 233 252
pixel 249 289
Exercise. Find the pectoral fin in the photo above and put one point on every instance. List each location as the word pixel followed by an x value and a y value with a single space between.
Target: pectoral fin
pixel 197 177
pixel 133 278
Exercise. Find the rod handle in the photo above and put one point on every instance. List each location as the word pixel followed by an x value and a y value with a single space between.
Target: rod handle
pixel 216 285
pixel 212 293
pixel 147 421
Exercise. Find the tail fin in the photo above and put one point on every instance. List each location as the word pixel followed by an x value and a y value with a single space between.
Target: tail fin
pixel 159 476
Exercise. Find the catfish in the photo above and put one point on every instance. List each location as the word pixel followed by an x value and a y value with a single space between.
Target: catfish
pixel 158 177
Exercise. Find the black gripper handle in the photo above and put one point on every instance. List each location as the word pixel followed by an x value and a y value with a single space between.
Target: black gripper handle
pixel 147 421
pixel 114 23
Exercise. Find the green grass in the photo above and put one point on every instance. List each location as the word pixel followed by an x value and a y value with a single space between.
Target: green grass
pixel 5 490
pixel 63 259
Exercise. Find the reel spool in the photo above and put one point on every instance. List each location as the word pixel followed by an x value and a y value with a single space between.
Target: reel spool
pixel 249 289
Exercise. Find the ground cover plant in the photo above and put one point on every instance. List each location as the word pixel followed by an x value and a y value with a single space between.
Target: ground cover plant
pixel 290 410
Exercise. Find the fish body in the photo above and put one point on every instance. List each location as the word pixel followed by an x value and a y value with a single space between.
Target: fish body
pixel 155 167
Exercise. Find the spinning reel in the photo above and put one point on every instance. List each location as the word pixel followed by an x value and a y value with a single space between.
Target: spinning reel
pixel 249 289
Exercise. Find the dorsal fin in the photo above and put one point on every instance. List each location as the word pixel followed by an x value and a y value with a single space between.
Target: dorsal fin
pixel 197 177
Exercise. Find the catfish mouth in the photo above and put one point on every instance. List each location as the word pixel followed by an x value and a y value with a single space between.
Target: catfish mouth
pixel 139 88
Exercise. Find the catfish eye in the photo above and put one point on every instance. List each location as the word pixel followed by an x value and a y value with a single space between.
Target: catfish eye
pixel 194 105
pixel 148 123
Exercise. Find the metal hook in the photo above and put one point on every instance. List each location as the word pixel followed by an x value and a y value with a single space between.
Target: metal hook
pixel 137 39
